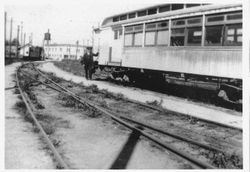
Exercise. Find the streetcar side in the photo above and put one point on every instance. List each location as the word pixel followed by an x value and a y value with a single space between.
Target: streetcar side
pixel 204 43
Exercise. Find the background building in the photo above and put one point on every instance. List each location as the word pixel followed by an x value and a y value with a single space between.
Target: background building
pixel 64 51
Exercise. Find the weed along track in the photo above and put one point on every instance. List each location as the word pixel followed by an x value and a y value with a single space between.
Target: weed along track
pixel 88 128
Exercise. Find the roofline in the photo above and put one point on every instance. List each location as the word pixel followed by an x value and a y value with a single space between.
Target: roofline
pixel 169 13
pixel 69 45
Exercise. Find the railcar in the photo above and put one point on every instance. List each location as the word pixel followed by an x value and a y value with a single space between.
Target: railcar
pixel 190 44
pixel 33 53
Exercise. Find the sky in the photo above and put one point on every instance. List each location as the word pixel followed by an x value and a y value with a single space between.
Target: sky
pixel 67 22
pixel 70 20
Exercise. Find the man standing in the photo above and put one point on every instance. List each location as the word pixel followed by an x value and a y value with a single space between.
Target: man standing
pixel 88 62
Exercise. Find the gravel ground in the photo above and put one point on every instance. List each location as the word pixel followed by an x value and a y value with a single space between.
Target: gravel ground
pixel 23 148
pixel 211 113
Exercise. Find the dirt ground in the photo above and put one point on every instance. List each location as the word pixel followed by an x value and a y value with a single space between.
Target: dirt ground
pixel 98 143
pixel 87 139
pixel 199 110
pixel 23 148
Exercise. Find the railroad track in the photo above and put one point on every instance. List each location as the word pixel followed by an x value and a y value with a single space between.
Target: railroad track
pixel 132 124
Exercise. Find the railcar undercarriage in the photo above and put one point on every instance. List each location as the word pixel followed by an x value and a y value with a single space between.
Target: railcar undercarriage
pixel 228 90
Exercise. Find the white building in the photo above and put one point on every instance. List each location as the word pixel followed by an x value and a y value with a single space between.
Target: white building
pixel 64 51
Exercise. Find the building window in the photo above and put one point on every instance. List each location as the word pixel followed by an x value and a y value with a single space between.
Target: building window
pixel 213 35
pixel 194 36
pixel 60 49
pixel 128 39
pixel 150 38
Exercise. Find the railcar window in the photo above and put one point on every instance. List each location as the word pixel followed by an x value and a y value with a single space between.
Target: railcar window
pixel 128 29
pixel 178 37
pixel 194 36
pixel 163 25
pixel 115 34
pixel 233 35
pixel 150 38
pixel 162 37
pixel 123 17
pixel 137 39
pixel 142 13
pixel 120 32
pixel 164 9
pixel 180 31
pixel 178 22
pixel 234 17
pixel 213 35
pixel 131 15
pixel 194 21
pixel 152 11
pixel 177 6
pixel 138 28
pixel 151 26
pixel 128 39
pixel 192 5
pixel 177 40
pixel 115 19
pixel 215 18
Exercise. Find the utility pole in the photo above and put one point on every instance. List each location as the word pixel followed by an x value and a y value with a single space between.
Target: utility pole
pixel 24 43
pixel 21 33
pixel 31 35
pixel 93 37
pixel 77 42
pixel 17 41
pixel 83 47
pixel 10 36
pixel 5 32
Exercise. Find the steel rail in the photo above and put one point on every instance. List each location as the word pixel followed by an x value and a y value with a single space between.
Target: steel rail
pixel 57 156
pixel 159 108
pixel 169 111
pixel 154 128
pixel 144 124
pixel 126 124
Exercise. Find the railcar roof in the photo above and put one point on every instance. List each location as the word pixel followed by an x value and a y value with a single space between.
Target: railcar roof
pixel 106 22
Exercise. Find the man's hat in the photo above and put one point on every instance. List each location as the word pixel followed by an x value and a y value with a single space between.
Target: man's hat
pixel 89 48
